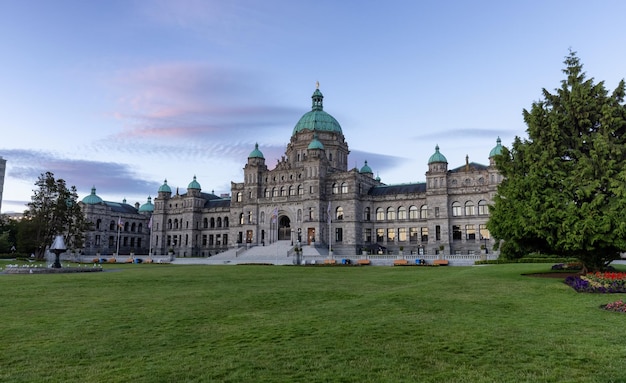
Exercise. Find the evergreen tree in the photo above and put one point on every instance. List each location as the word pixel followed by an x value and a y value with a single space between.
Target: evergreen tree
pixel 53 211
pixel 564 188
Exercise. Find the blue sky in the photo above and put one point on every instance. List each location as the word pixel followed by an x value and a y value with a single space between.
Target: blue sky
pixel 121 95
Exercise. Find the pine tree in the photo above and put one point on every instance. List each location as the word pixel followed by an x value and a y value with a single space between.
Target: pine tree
pixel 564 188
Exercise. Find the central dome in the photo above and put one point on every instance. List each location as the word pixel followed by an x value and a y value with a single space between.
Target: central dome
pixel 317 119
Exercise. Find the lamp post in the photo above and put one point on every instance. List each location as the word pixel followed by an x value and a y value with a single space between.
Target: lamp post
pixel 485 245
pixel 58 247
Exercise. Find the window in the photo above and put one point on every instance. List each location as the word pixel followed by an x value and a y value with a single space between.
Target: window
pixel 212 222
pixel 344 188
pixel 437 212
pixel 380 235
pixel 456 209
pixel 368 236
pixel 380 214
pixel 424 234
pixel 169 224
pixel 98 222
pixel 262 217
pixel 401 212
pixel 339 213
pixel 292 190
pixel 299 215
pixel 266 193
pixel 391 213
pixel 283 192
pixel 300 190
pixel 204 240
pixel 97 240
pixel 205 223
pixel 249 217
pixel 470 232
pixel 413 234
pixel 469 208
pixel 338 234
pixel 391 235
pixel 456 232
pixel 211 240
pixel 112 225
pixel 482 207
pixel 483 232
pixel 219 222
pixel 239 197
pixel 366 214
pixel 225 221
pixel 437 233
pixel 402 234
pixel 335 189
pixel 413 212
pixel 274 192
pixel 424 212
pixel 311 214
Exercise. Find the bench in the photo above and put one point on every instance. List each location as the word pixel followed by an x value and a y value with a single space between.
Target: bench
pixel 400 262
pixel 329 261
pixel 440 262
pixel 364 262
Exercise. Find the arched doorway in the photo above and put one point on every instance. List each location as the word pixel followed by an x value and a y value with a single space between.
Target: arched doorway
pixel 284 229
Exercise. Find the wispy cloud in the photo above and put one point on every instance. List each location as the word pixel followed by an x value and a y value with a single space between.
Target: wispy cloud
pixel 115 178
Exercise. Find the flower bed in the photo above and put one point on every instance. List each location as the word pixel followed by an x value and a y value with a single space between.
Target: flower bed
pixel 618 306
pixel 598 282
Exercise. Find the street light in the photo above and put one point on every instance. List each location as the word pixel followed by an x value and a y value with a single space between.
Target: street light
pixel 485 245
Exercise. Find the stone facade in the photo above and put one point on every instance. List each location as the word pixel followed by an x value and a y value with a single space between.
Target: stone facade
pixel 311 193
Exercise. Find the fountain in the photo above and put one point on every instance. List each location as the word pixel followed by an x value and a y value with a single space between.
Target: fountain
pixel 58 247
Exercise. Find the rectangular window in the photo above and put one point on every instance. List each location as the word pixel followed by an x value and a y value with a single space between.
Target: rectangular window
pixel 368 236
pixel 225 240
pixel 456 232
pixel 437 212
pixel 413 233
pixel 218 239
pixel 97 240
pixel 438 233
pixel 424 234
pixel 111 242
pixel 204 240
pixel 402 234
pixel 380 235
pixel 338 234
pixel 484 233
pixel 169 240
pixel 211 240
pixel 470 232
pixel 391 235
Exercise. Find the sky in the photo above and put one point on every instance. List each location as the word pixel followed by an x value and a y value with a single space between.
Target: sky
pixel 122 94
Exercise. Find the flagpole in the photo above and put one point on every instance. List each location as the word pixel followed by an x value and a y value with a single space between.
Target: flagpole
pixel 150 241
pixel 330 230
pixel 119 223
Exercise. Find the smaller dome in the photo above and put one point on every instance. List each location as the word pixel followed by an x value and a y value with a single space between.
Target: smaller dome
pixel 377 178
pixel 315 143
pixel 437 157
pixel 165 188
pixel 497 149
pixel 147 207
pixel 92 199
pixel 194 184
pixel 366 169
pixel 256 153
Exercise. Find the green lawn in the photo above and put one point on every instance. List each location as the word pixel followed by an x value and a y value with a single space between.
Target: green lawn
pixel 164 323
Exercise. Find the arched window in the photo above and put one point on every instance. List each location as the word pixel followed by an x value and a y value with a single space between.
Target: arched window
pixel 205 223
pixel 241 218
pixel 282 191
pixel 292 191
pixel 176 223
pixel 133 227
pixel 212 222
pixel 335 189
pixel 339 213
pixel 126 226
pixel 401 212
pixel 266 193
pixel 299 216
pixel 262 217
pixel 469 208
pixel 300 190
pixel 219 221
pixel 140 228
pixel 456 209
pixel 413 212
pixel 391 213
pixel 239 197
pixel 366 214
pixel 98 222
pixel 274 192
pixel 225 221
pixel 380 214
pixel 169 223
pixel 482 207
pixel 344 188
pixel 424 211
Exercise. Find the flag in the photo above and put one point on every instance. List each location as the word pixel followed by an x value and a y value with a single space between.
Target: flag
pixel 150 223
pixel 328 212
pixel 274 214
pixel 119 223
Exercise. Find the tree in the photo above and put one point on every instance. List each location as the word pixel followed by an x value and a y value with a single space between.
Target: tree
pixel 53 210
pixel 564 188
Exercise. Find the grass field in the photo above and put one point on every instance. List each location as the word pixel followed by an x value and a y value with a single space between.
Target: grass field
pixel 165 323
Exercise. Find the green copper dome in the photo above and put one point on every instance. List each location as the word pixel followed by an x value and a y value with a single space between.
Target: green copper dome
pixel 437 157
pixel 366 169
pixel 147 207
pixel 315 143
pixel 92 199
pixel 165 188
pixel 497 149
pixel 194 184
pixel 317 119
pixel 256 153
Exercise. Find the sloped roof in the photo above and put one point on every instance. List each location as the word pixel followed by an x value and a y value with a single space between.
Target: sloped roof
pixel 398 189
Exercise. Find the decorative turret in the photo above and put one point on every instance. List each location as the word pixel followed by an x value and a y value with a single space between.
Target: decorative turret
pixel 497 150
pixel 92 199
pixel 437 162
pixel 147 207
pixel 366 170
pixel 165 191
